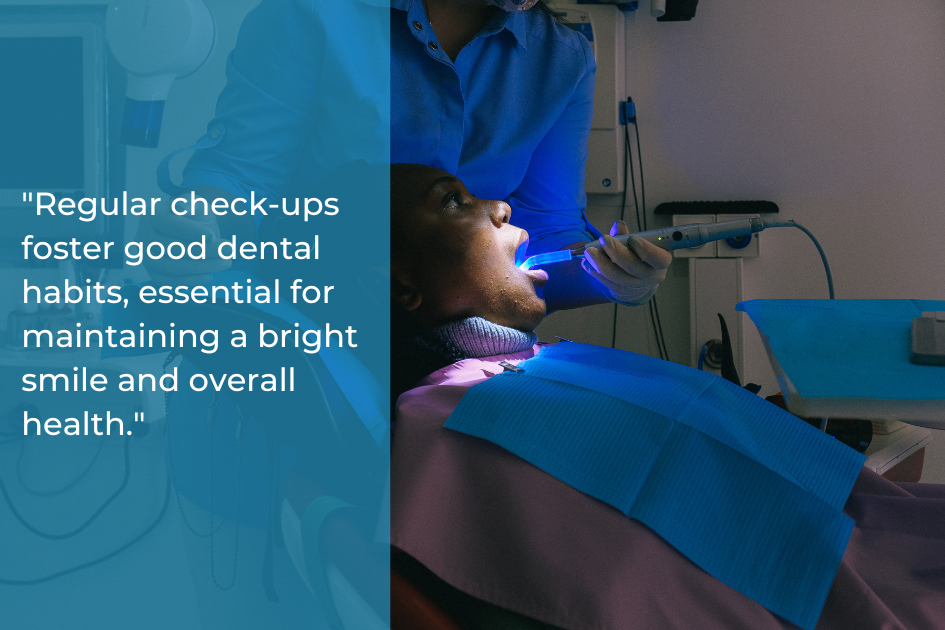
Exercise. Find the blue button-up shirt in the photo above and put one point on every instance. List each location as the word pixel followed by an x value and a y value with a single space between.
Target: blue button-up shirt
pixel 510 117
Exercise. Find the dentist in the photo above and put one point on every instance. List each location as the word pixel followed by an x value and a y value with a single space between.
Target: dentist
pixel 497 92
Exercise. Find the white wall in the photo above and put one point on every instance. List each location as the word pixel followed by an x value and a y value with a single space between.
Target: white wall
pixel 832 110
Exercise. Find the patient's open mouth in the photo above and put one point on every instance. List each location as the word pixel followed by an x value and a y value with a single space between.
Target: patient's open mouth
pixel 538 276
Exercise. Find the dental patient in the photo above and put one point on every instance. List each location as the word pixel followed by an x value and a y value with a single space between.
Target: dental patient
pixel 496 534
pixel 456 290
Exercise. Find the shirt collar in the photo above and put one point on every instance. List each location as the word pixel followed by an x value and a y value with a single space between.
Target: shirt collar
pixel 517 24
pixel 514 21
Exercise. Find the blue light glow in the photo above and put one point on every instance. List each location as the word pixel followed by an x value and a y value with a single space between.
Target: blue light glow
pixel 520 253
pixel 548 257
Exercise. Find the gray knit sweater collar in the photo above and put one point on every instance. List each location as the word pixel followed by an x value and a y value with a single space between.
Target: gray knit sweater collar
pixel 476 337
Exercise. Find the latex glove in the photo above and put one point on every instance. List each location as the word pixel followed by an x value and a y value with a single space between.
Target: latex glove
pixel 167 227
pixel 630 274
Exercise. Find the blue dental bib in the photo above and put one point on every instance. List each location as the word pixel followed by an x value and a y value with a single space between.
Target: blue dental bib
pixel 748 492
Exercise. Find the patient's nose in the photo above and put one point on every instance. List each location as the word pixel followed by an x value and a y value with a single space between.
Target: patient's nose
pixel 501 213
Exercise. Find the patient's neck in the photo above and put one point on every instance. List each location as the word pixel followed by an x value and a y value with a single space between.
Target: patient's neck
pixel 417 350
pixel 476 337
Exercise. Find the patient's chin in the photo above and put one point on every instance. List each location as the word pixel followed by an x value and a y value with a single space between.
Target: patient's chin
pixel 528 318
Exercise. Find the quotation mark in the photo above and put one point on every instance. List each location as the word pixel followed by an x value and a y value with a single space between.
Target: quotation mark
pixel 27 197
pixel 139 417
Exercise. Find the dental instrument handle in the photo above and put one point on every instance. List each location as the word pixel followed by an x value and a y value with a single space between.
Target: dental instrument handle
pixel 696 234
pixel 693 234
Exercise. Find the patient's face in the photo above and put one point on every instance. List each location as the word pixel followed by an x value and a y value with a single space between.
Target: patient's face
pixel 460 251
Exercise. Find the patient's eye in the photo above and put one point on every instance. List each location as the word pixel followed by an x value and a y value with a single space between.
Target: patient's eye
pixel 452 199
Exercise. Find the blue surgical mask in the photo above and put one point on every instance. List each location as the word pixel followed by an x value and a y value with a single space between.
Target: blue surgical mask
pixel 513 5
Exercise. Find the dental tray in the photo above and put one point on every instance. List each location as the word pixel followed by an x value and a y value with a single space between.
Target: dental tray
pixel 850 358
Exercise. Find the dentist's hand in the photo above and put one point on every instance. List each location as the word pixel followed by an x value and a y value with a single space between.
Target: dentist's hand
pixel 632 273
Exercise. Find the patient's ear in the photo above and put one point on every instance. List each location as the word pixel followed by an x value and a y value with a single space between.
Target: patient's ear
pixel 402 288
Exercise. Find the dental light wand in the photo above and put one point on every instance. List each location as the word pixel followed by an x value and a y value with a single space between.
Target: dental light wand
pixel 670 238
pixel 685 236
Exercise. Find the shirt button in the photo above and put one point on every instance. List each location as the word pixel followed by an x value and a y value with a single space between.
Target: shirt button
pixel 417 25
pixel 215 133
pixel 433 46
